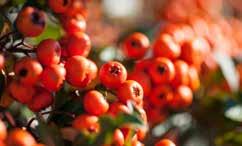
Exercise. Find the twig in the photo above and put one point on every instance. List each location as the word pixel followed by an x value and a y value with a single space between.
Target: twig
pixel 7 35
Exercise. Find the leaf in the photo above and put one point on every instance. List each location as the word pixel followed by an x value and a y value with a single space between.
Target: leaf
pixel 234 113
pixel 49 134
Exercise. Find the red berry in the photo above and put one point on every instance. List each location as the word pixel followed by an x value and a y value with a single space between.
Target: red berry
pixel 118 108
pixel 42 99
pixel 48 52
pixel 80 71
pixel 118 138
pixel 74 25
pixel 160 96
pixel 112 74
pixel 59 6
pixel 136 45
pixel 165 46
pixel 143 79
pixel 130 90
pixel 21 92
pixel 143 65
pixel 79 44
pixel 53 77
pixel 86 123
pixel 31 22
pixel 182 98
pixel 181 73
pixel 3 131
pixel 194 81
pixel 95 103
pixel 2 61
pixel 28 70
pixel 19 137
pixel 165 142
pixel 162 70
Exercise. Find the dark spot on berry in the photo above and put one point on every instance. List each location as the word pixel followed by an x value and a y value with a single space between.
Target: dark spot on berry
pixel 37 19
pixel 114 70
pixel 65 2
pixel 91 129
pixel 23 72
pixel 161 95
pixel 136 91
pixel 135 44
pixel 161 69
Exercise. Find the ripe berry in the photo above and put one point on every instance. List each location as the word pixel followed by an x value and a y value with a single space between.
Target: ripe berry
pixel 59 6
pixel 2 61
pixel 192 51
pixel 165 46
pixel 28 70
pixel 31 21
pixel 95 103
pixel 165 142
pixel 130 90
pixel 112 74
pixel 80 71
pixel 53 77
pixel 86 123
pixel 74 25
pixel 136 45
pixel 155 115
pixel 143 79
pixel 160 96
pixel 117 108
pixel 19 137
pixel 143 65
pixel 79 44
pixel 162 70
pixel 3 131
pixel 194 81
pixel 181 73
pixel 21 92
pixel 48 52
pixel 118 138
pixel 182 98
pixel 39 144
pixel 77 7
pixel 40 100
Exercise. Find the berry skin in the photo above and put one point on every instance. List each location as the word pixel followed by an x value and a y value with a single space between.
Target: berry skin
pixel 192 51
pixel 112 74
pixel 41 100
pixel 28 70
pixel 118 138
pixel 2 61
pixel 182 98
pixel 160 96
pixel 162 70
pixel 86 123
pixel 95 103
pixel 38 144
pixel 181 73
pixel 80 71
pixel 130 90
pixel 165 46
pixel 143 79
pixel 19 137
pixel 117 108
pixel 136 45
pixel 74 25
pixel 59 6
pixel 31 22
pixel 3 131
pixel 194 81
pixel 143 65
pixel 20 92
pixel 48 52
pixel 53 77
pixel 79 44
pixel 165 142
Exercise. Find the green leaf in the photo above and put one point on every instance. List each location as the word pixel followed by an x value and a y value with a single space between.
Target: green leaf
pixel 49 134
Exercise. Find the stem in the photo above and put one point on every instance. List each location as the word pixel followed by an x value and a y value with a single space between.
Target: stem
pixel 7 35
pixel 20 50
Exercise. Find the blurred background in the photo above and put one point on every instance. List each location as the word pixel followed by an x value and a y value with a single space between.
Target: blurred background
pixel 216 114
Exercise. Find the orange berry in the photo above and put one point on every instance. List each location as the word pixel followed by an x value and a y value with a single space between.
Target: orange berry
pixel 165 142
